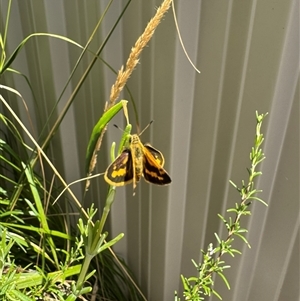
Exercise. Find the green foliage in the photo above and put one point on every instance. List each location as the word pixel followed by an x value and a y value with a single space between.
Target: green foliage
pixel 197 287
pixel 32 245
pixel 41 256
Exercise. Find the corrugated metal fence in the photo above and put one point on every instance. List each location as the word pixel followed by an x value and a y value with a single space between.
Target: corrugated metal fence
pixel 248 54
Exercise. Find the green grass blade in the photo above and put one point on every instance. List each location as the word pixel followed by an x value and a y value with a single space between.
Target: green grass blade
pixel 26 280
pixel 20 296
pixel 41 213
pixel 36 197
pixel 38 230
pixel 98 128
pixel 20 46
pixel 124 139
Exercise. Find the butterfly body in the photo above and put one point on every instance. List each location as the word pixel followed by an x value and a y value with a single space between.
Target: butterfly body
pixel 135 161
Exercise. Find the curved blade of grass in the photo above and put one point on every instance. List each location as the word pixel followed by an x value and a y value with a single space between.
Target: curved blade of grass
pixel 20 296
pixel 111 242
pixel 124 139
pixel 38 230
pixel 36 197
pixel 98 128
pixel 34 278
pixel 20 46
pixel 22 241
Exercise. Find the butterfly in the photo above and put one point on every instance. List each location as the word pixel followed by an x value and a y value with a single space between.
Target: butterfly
pixel 135 161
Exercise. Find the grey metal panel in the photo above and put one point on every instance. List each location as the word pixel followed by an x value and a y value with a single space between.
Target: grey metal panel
pixel 248 54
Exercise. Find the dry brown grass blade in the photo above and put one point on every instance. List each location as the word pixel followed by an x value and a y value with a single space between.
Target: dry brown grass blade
pixel 133 59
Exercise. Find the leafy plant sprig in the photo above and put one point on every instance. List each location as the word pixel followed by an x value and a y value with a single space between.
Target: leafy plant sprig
pixel 195 288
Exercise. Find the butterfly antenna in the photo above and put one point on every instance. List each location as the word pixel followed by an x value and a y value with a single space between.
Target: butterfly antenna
pixel 146 127
pixel 118 127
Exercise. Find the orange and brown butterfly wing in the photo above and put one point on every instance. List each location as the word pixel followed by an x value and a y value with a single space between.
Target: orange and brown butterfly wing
pixel 158 156
pixel 152 170
pixel 120 172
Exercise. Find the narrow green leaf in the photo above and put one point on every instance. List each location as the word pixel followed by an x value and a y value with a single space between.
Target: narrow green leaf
pixel 112 152
pixel 216 294
pixel 222 218
pixel 20 296
pixel 241 230
pixel 185 283
pixel 218 238
pixel 243 238
pixel 20 46
pixel 111 242
pixel 98 128
pixel 224 279
pixel 25 280
pixel 236 251
pixel 233 184
pixel 230 252
pixel 260 200
pixel 71 297
pixel 124 139
pixel 37 230
pixel 86 290
pixel 38 203
pixel 232 210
